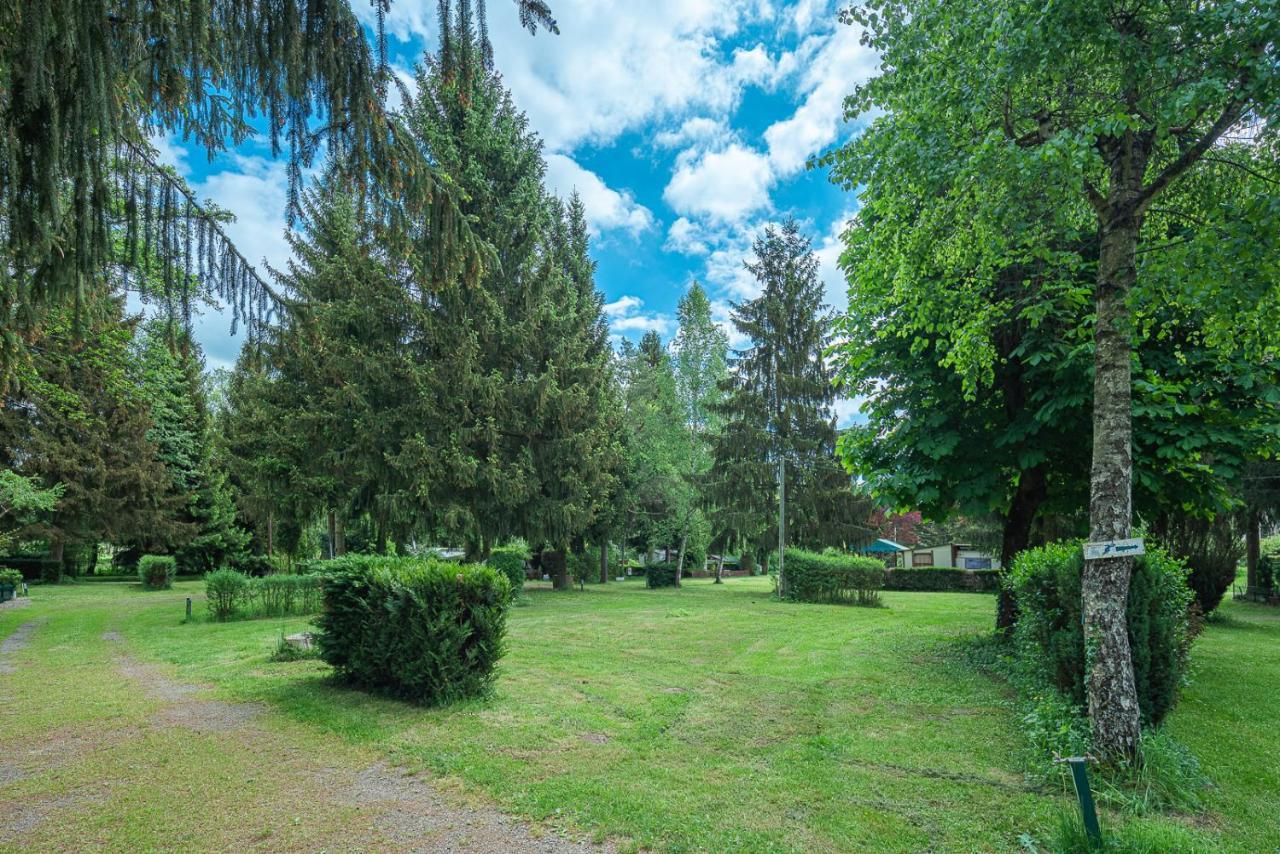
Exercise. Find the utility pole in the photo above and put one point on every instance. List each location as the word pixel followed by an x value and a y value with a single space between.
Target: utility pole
pixel 782 477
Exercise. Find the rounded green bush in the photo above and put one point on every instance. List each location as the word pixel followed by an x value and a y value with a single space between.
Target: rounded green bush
pixel 226 592
pixel 1049 636
pixel 156 572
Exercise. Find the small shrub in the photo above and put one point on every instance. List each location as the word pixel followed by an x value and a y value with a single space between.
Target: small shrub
pixel 1269 565
pixel 1212 548
pixel 660 575
pixel 282 595
pixel 13 577
pixel 833 578
pixel 419 629
pixel 156 572
pixel 510 560
pixel 944 580
pixel 1049 637
pixel 226 592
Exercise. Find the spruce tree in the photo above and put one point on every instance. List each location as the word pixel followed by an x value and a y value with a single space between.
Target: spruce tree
pixel 73 418
pixel 86 84
pixel 778 443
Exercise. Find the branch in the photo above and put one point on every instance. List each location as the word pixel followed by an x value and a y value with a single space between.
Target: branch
pixel 1230 115
pixel 1255 173
pixel 181 186
pixel 1096 199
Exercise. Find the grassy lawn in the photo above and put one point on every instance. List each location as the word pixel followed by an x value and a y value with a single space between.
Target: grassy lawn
pixel 707 718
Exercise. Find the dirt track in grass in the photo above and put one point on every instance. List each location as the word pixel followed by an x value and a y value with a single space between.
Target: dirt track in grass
pixel 78 785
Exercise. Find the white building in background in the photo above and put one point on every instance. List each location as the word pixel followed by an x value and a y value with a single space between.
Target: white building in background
pixel 949 556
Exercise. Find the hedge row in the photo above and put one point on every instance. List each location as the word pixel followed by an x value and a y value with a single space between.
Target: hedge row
pixel 232 595
pixel 660 575
pixel 833 578
pixel 1049 637
pixel 418 629
pixel 944 580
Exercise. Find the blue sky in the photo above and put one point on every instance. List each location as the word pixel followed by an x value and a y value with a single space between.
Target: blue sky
pixel 684 124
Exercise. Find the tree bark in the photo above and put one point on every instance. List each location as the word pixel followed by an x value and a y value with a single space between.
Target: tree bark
pixel 271 533
pixel 720 569
pixel 1113 703
pixel 333 534
pixel 57 553
pixel 1027 499
pixel 339 536
pixel 1252 552
pixel 604 561
pixel 684 539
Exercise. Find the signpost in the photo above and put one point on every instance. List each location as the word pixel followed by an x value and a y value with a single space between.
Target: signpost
pixel 1114 548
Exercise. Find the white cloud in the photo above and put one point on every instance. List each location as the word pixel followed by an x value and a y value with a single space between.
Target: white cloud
pixel 834 283
pixel 847 411
pixel 725 186
pixel 607 209
pixel 623 306
pixel 686 237
pixel 625 315
pixel 839 65
pixel 697 130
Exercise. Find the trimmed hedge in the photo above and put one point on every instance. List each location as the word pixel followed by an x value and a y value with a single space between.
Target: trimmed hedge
pixel 660 575
pixel 1049 637
pixel 422 630
pixel 841 579
pixel 944 580
pixel 510 561
pixel 156 572
pixel 282 595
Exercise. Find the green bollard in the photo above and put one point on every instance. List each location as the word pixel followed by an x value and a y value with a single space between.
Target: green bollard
pixel 1088 812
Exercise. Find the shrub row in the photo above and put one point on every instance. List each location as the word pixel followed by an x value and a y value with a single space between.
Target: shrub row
pixel 419 629
pixel 232 594
pixel 156 572
pixel 660 575
pixel 1049 637
pixel 944 580
pixel 833 578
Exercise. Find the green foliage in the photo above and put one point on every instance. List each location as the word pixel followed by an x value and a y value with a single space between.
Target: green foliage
pixel 156 572
pixel 22 502
pixel 13 577
pixel 1212 548
pixel 944 580
pixel 510 561
pixel 283 595
pixel 421 630
pixel 660 575
pixel 834 578
pixel 1269 564
pixel 285 651
pixel 1050 640
pixel 225 590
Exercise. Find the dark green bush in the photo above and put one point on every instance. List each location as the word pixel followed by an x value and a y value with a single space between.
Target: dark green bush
pixel 747 563
pixel 251 564
pixel 1049 637
pixel 419 629
pixel 835 577
pixel 156 572
pixel 660 575
pixel 1212 548
pixel 226 592
pixel 511 561
pixel 1269 565
pixel 944 580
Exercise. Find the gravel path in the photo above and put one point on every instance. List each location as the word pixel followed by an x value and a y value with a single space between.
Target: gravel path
pixel 409 813
pixel 15 643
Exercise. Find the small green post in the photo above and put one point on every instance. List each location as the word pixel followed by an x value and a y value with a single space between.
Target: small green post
pixel 188 607
pixel 1088 812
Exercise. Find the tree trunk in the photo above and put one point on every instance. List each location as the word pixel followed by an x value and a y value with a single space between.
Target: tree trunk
pixel 271 533
pixel 93 559
pixel 1113 702
pixel 555 564
pixel 1252 552
pixel 684 538
pixel 720 569
pixel 1027 498
pixel 339 536
pixel 57 552
pixel 333 534
pixel 604 561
